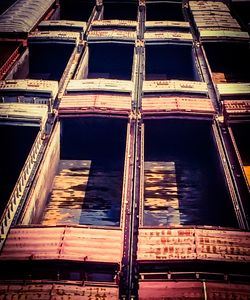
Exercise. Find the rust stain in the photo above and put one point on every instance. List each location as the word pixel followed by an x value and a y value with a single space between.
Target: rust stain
pixel 161 195
pixel 68 192
pixel 205 244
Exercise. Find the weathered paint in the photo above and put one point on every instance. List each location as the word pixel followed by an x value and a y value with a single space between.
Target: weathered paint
pixel 172 24
pixel 170 290
pixel 54 36
pixel 114 23
pixel 68 192
pixel 192 244
pixel 150 290
pixel 62 25
pixel 232 89
pixel 221 34
pixel 208 5
pixel 168 36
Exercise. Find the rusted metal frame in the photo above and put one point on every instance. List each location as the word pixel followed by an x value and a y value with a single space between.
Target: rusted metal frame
pixel 133 270
pixel 69 70
pixel 238 155
pixel 215 93
pixel 141 20
pixel 197 61
pixel 202 59
pixel 50 291
pixel 130 278
pixel 207 75
pixel 94 15
pixel 9 63
pixel 142 178
pixel 127 182
pixel 128 186
pixel 199 275
pixel 49 126
pixel 131 274
pixel 230 179
pixel 83 60
pixel 139 76
pixel 19 189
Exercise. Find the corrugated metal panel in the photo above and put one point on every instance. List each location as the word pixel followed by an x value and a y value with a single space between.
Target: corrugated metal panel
pixel 190 243
pixel 122 35
pixel 168 36
pixel 208 5
pixel 100 84
pixel 178 104
pixel 89 244
pixel 214 21
pixel 57 291
pixel 192 290
pixel 160 86
pixel 237 106
pixel 230 89
pixel 29 86
pixel 95 103
pixel 166 244
pixel 155 24
pixel 24 112
pixel 70 243
pixel 62 36
pixel 222 245
pixel 23 15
